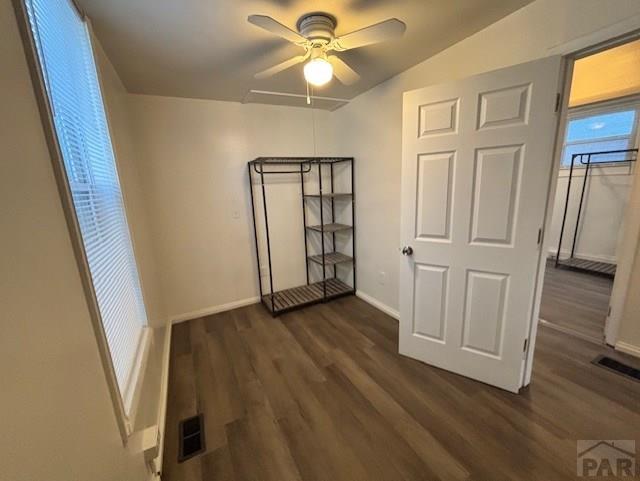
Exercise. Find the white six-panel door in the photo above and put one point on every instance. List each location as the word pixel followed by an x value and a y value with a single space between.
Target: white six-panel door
pixel 477 156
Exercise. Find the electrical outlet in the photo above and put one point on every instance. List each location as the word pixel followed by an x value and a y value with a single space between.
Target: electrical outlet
pixel 382 277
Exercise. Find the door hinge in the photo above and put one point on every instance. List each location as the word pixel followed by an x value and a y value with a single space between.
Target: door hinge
pixel 539 235
pixel 609 312
pixel 524 349
pixel 558 101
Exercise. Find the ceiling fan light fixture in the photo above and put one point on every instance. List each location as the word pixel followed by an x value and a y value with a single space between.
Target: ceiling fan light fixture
pixel 318 71
pixel 316 35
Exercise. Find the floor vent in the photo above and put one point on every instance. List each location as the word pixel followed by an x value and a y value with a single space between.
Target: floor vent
pixel 191 431
pixel 617 367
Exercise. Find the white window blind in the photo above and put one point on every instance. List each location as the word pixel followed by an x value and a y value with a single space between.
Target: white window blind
pixel 66 58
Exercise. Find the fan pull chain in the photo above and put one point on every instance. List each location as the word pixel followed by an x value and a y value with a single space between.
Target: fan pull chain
pixel 313 120
pixel 308 97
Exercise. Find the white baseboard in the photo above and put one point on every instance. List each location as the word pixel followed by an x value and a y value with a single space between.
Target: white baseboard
pixel 207 311
pixel 628 348
pixel 571 332
pixel 586 257
pixel 378 305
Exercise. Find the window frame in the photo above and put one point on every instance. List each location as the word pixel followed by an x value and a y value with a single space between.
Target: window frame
pixel 63 182
pixel 608 106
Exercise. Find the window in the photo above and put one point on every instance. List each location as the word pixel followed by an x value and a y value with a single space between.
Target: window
pixel 606 128
pixel 66 59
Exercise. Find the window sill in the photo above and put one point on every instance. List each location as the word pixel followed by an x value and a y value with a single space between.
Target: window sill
pixel 131 395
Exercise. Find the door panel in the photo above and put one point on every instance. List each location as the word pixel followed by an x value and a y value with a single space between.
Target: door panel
pixel 496 194
pixel 429 308
pixel 484 312
pixel 477 156
pixel 504 107
pixel 438 118
pixel 433 213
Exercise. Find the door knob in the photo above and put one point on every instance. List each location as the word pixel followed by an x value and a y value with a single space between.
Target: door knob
pixel 407 251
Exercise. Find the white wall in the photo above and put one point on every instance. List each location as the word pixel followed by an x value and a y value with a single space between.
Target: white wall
pixel 605 200
pixel 193 154
pixel 57 421
pixel 370 126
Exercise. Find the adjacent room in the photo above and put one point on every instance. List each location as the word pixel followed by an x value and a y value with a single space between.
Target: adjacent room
pixel 315 240
pixel 595 180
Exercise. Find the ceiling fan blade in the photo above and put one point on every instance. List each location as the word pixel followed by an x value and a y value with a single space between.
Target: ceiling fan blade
pixel 342 71
pixel 275 27
pixel 280 67
pixel 379 32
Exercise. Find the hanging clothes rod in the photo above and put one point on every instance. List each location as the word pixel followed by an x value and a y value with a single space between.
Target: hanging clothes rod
pixel 261 171
pixel 307 162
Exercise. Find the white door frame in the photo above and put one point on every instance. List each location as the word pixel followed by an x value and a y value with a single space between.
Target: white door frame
pixel 582 47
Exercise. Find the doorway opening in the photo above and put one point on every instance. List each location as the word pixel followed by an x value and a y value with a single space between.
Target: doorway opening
pixel 594 183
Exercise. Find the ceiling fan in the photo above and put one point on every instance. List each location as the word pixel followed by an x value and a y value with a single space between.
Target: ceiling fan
pixel 316 36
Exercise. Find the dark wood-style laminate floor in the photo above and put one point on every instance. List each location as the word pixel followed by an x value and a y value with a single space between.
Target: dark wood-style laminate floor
pixel 576 300
pixel 322 394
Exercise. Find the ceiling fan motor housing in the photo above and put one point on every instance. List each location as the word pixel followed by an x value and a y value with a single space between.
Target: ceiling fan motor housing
pixel 317 27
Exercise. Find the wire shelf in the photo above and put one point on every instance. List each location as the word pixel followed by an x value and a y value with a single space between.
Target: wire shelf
pixel 337 196
pixel 330 258
pixel 289 299
pixel 329 228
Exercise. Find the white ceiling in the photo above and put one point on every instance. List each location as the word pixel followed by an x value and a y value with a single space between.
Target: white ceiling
pixel 207 49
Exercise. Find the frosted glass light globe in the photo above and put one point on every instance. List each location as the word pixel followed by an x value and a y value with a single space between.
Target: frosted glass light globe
pixel 318 71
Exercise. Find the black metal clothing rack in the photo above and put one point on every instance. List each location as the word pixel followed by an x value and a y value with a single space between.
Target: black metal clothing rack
pixel 328 288
pixel 572 262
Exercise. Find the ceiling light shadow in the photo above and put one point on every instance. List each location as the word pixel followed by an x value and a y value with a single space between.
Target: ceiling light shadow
pixel 281 3
pixel 361 5
pixel 256 55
